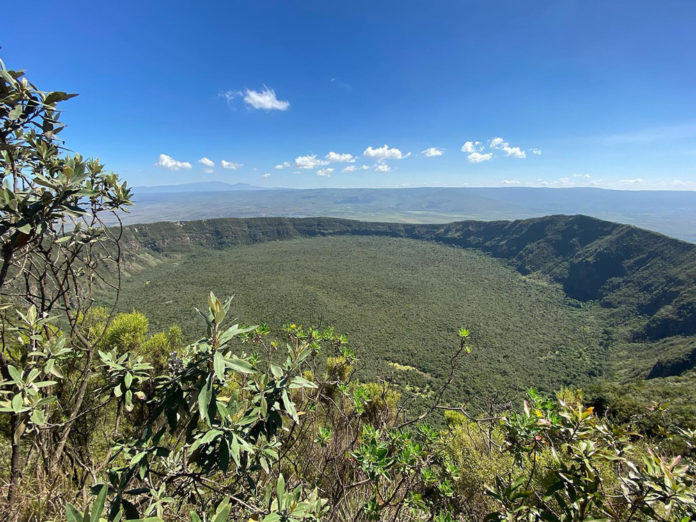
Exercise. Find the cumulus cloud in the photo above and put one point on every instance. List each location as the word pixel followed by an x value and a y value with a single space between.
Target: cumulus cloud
pixel 581 175
pixel 382 167
pixel 231 165
pixel 501 144
pixel 326 172
pixel 170 163
pixel 206 162
pixel 354 168
pixel 472 146
pixel 265 100
pixel 267 175
pixel 384 153
pixel 283 165
pixel 496 143
pixel 477 157
pixel 536 152
pixel 432 152
pixel 515 152
pixel 511 182
pixel 633 181
pixel 335 157
pixel 309 162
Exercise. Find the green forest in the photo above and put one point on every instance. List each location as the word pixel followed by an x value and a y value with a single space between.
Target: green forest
pixel 323 369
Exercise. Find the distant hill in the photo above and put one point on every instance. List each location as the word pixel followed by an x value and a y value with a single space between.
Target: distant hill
pixel 669 212
pixel 188 188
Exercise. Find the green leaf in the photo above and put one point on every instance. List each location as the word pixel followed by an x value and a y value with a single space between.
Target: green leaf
pixel 219 366
pixel 14 373
pixel 72 514
pixel 234 448
pixel 98 507
pixel 204 400
pixel 224 455
pixel 128 379
pixel 17 403
pixel 276 371
pixel 280 491
pixel 38 417
pixel 222 512
pixel 240 365
pixel 233 331
pixel 289 406
pixel 301 382
pixel 16 112
pixel 25 229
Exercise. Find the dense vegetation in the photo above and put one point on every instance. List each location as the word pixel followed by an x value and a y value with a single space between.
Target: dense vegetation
pixel 102 419
pixel 645 278
pixel 399 319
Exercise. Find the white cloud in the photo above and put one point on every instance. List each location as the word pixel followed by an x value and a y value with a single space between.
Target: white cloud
pixel 325 172
pixel 431 152
pixel 536 152
pixel 511 182
pixel 477 157
pixel 580 175
pixel 515 152
pixel 206 162
pixel 309 162
pixel 231 95
pixel 496 143
pixel 501 144
pixel 231 165
pixel 283 165
pixel 384 153
pixel 170 163
pixel 265 99
pixel 335 157
pixel 267 175
pixel 354 168
pixel 472 146
pixel 382 167
pixel 634 181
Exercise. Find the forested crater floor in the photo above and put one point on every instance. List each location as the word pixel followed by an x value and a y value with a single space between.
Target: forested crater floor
pixel 552 302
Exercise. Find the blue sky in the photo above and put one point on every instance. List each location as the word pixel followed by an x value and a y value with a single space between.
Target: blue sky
pixel 448 93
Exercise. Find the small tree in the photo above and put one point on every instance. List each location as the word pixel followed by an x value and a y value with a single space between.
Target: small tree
pixel 55 251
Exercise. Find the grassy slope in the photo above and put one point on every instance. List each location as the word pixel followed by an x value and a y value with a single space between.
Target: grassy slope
pixel 399 300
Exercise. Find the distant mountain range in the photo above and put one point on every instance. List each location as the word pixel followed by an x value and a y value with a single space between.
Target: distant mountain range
pixel 670 212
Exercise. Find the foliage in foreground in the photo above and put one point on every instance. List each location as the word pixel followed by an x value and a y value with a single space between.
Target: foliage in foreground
pixel 242 425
